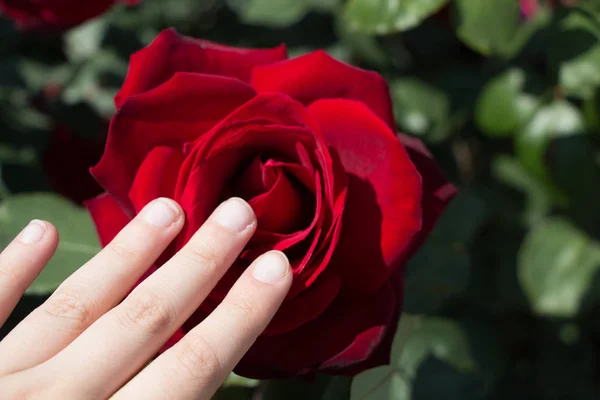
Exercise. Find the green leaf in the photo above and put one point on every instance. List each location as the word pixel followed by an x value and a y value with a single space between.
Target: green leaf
pixel 364 46
pixel 388 16
pixel 88 86
pixel 417 339
pixel 556 265
pixel 338 388
pixel 296 389
pixel 502 106
pixel 440 270
pixel 539 197
pixel 279 13
pixel 489 26
pixel 10 76
pixel 236 380
pixel 421 109
pixel 85 40
pixel 580 77
pixel 558 119
pixel 37 75
pixel 575 53
pixel 575 169
pixel 78 241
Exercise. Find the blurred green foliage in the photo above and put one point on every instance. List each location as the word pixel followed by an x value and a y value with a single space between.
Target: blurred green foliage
pixel 503 300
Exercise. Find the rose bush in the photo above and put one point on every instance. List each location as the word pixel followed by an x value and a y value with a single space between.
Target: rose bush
pixel 54 14
pixel 310 143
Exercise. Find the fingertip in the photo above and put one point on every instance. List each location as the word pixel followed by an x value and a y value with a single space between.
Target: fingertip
pixel 235 214
pixel 162 213
pixel 35 232
pixel 272 268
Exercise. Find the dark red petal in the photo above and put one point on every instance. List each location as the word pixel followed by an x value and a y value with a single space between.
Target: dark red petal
pixel 348 332
pixel 179 111
pixel 255 179
pixel 202 190
pixel 156 177
pixel 383 206
pixel 108 217
pixel 319 76
pixel 53 14
pixel 437 191
pixel 170 53
pixel 381 354
pixel 67 163
pixel 305 307
pixel 281 209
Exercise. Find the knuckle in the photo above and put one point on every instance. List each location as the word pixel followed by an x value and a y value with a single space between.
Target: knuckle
pixel 199 358
pixel 9 277
pixel 122 251
pixel 241 309
pixel 204 253
pixel 147 311
pixel 70 304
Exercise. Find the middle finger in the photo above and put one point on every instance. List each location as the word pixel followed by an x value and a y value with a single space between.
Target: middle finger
pixel 105 356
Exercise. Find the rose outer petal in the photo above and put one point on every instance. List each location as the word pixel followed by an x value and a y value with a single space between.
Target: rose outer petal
pixel 108 217
pixel 318 76
pixel 170 53
pixel 348 332
pixel 156 177
pixel 53 14
pixel 383 207
pixel 177 112
pixel 437 191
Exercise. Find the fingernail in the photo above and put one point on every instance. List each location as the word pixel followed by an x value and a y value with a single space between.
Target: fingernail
pixel 33 233
pixel 271 267
pixel 234 214
pixel 160 213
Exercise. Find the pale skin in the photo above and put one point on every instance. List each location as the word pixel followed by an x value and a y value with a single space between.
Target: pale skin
pixel 86 342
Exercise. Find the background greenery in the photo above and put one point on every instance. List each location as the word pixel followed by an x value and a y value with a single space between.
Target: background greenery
pixel 503 300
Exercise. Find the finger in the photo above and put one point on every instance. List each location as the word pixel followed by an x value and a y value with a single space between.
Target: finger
pixel 135 330
pixel 92 290
pixel 196 366
pixel 22 261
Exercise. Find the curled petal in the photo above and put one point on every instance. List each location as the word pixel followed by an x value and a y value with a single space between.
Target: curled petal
pixel 318 76
pixel 383 205
pixel 170 53
pixel 108 217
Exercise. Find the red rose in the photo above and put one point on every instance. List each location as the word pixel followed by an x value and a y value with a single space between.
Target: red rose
pixel 529 8
pixel 310 144
pixel 54 14
pixel 67 162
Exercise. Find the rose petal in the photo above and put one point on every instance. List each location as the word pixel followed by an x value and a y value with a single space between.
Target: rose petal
pixel 254 180
pixel 67 163
pixel 179 111
pixel 383 207
pixel 305 307
pixel 202 190
pixel 53 14
pixel 108 217
pixel 437 191
pixel 156 177
pixel 319 76
pixel 170 53
pixel 345 363
pixel 348 332
pixel 285 208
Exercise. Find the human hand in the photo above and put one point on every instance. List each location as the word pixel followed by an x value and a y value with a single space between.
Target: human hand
pixel 86 342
